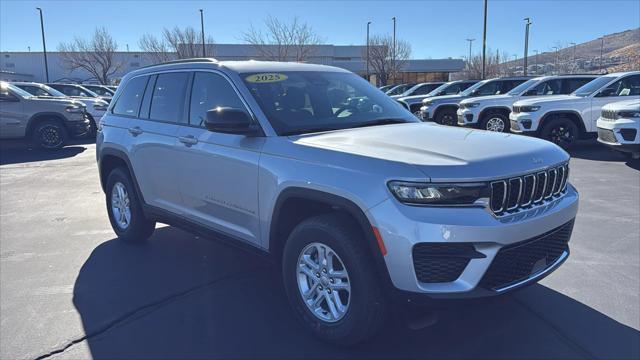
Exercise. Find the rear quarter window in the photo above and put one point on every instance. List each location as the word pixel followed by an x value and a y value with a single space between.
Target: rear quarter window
pixel 129 101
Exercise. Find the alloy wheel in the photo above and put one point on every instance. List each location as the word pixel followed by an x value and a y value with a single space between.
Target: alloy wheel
pixel 323 282
pixel 120 206
pixel 50 136
pixel 561 135
pixel 495 124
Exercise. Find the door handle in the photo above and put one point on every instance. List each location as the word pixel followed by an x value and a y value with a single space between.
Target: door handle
pixel 188 140
pixel 135 131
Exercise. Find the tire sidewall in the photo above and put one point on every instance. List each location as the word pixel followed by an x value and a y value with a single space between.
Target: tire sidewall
pixel 355 260
pixel 52 124
pixel 443 113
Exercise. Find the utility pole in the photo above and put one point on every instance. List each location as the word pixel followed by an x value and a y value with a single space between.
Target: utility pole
pixel 601 50
pixel 44 46
pixel 484 41
pixel 526 43
pixel 536 51
pixel 202 31
pixel 469 58
pixel 556 62
pixel 574 66
pixel 393 58
pixel 127 47
pixel 368 24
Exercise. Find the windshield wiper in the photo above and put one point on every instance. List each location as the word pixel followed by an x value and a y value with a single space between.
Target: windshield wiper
pixel 382 122
pixel 306 131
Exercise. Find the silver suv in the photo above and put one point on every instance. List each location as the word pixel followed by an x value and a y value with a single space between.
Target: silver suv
pixel 48 122
pixel 361 203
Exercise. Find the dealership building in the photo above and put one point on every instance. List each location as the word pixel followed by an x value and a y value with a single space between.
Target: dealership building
pixel 29 66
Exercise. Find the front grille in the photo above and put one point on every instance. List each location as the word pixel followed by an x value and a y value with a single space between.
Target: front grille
pixel 607 135
pixel 442 262
pixel 609 114
pixel 513 194
pixel 517 262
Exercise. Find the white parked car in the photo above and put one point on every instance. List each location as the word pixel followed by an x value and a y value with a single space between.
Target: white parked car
pixel 95 106
pixel 492 112
pixel 413 103
pixel 419 89
pixel 563 119
pixel 619 127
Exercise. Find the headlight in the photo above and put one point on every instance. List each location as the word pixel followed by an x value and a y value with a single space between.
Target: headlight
pixel 439 194
pixel 100 107
pixel 471 105
pixel 628 114
pixel 75 109
pixel 529 108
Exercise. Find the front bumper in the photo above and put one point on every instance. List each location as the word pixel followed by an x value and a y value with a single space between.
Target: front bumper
pixel 426 113
pixel 467 117
pixel 78 128
pixel 621 134
pixel 403 227
pixel 523 122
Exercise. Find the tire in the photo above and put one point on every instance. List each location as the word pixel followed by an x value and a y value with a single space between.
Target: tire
pixel 366 309
pixel 560 131
pixel 136 227
pixel 495 121
pixel 50 134
pixel 447 117
pixel 93 128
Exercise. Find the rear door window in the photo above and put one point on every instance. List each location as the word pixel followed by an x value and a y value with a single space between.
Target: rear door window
pixel 168 100
pixel 129 101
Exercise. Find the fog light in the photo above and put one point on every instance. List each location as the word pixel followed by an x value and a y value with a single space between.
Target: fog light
pixel 526 124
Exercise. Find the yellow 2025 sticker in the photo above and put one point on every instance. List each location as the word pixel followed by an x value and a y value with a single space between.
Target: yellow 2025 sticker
pixel 266 78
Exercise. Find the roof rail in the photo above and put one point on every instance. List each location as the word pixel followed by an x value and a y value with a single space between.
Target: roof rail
pixel 182 61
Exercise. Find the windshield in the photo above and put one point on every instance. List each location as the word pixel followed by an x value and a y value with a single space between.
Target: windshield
pixel 473 87
pixel 313 101
pixel 40 90
pixel 439 89
pixel 99 90
pixel 16 90
pixel 399 89
pixel 523 87
pixel 593 86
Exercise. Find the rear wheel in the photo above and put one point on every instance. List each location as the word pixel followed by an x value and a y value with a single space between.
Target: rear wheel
pixel 330 281
pixel 560 131
pixel 125 209
pixel 447 117
pixel 50 134
pixel 495 122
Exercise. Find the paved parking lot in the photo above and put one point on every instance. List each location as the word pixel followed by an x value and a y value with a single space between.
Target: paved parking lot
pixel 70 290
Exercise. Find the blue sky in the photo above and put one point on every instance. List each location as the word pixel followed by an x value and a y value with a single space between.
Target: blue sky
pixel 436 29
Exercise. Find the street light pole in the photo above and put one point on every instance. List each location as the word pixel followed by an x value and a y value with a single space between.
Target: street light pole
pixel 556 62
pixel 536 51
pixel 574 57
pixel 202 31
pixel 526 44
pixel 484 41
pixel 469 58
pixel 393 56
pixel 368 76
pixel 44 46
pixel 601 49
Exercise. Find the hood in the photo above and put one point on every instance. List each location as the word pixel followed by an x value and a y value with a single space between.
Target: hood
pixel 623 105
pixel 443 153
pixel 454 99
pixel 412 98
pixel 549 99
pixel 56 100
pixel 488 99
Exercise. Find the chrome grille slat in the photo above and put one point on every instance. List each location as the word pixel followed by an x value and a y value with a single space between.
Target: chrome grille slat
pixel 511 195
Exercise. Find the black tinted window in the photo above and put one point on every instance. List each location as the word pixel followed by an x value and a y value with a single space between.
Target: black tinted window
pixel 571 85
pixel 490 88
pixel 167 103
pixel 507 85
pixel 210 91
pixel 129 101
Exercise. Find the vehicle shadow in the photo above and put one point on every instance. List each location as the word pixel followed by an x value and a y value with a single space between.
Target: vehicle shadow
pixel 181 296
pixel 20 151
pixel 592 150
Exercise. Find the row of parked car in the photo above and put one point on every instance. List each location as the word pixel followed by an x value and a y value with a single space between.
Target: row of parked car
pixel 50 114
pixel 559 108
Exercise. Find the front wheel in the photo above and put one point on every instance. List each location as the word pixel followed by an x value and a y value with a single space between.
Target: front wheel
pixel 330 281
pixel 495 122
pixel 560 131
pixel 50 134
pixel 447 117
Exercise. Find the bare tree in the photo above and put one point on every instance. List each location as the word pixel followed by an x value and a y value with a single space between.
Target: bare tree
pixel 96 56
pixel 282 41
pixel 174 44
pixel 496 65
pixel 385 65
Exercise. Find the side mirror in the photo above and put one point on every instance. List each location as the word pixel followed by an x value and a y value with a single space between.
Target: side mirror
pixel 230 121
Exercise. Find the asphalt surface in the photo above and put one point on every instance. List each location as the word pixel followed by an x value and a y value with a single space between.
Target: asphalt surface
pixel 71 290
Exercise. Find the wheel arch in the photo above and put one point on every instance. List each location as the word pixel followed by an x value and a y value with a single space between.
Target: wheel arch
pixel 296 204
pixel 572 115
pixel 504 110
pixel 112 158
pixel 42 116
